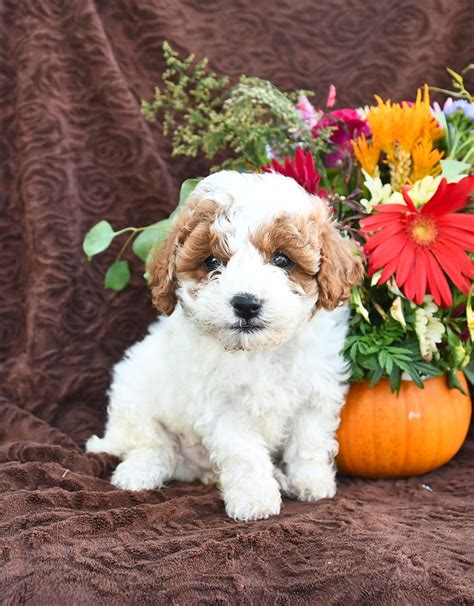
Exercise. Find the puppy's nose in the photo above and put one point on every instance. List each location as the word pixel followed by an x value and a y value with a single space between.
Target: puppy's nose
pixel 246 306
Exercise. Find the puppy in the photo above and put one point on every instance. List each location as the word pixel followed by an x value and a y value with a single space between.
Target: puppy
pixel 242 384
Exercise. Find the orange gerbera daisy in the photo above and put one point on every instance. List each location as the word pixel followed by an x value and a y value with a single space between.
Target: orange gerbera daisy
pixel 421 247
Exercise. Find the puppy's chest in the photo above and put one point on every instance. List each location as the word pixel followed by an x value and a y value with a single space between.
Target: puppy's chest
pixel 270 394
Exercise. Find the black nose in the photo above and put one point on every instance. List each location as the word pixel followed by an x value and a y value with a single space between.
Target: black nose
pixel 246 306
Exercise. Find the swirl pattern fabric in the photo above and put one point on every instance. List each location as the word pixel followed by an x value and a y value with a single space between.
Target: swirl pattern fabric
pixel 74 148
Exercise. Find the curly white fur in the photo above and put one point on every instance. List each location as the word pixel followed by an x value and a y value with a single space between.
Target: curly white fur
pixel 255 412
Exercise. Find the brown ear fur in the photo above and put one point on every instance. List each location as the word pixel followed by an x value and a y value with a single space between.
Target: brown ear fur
pixel 341 268
pixel 161 268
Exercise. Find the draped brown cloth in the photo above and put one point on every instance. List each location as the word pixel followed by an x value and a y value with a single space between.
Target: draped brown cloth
pixel 74 149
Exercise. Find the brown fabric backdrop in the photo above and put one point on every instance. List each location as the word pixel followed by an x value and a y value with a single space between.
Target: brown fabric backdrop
pixel 74 149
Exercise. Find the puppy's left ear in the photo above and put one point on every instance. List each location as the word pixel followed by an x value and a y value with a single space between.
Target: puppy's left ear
pixel 341 268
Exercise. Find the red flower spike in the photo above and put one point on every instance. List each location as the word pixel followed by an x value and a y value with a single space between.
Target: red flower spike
pixel 421 248
pixel 301 169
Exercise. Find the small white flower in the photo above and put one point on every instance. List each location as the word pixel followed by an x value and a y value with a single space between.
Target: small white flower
pixel 429 329
pixel 363 111
pixel 393 288
pixel 379 193
pixel 424 189
pixel 396 311
pixel 359 306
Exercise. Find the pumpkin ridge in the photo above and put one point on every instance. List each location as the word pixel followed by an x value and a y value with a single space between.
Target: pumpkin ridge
pixel 407 432
pixel 352 442
pixel 436 460
pixel 349 443
pixel 374 418
pixel 445 431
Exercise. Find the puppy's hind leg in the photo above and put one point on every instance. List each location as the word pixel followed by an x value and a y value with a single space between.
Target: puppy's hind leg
pixel 148 457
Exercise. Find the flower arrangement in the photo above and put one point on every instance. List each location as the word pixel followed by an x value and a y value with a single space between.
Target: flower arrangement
pixel 397 177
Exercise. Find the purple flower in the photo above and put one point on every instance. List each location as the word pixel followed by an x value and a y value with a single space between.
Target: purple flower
pixel 460 105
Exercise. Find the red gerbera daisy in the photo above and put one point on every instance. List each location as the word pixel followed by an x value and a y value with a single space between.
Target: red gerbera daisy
pixel 301 168
pixel 421 247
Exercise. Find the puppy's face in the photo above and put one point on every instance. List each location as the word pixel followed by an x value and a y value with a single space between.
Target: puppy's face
pixel 251 258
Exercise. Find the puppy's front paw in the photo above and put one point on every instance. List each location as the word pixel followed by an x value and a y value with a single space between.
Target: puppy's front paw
pixel 256 500
pixel 139 473
pixel 312 481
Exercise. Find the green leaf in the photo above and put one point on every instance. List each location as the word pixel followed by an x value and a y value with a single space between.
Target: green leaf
pixel 370 362
pixel 395 379
pixel 98 239
pixel 453 382
pixel 453 170
pixel 150 237
pixel 338 185
pixel 155 234
pixel 117 275
pixel 404 351
pixel 469 371
pixel 376 376
pixel 353 351
pixel 427 369
pixel 412 372
pixel 457 77
pixel 186 190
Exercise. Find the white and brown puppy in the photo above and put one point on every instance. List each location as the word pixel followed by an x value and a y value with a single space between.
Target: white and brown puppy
pixel 243 383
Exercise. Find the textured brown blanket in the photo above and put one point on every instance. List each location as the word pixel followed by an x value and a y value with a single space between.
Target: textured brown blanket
pixel 73 149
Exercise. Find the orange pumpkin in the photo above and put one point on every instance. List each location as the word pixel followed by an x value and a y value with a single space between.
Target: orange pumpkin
pixel 385 435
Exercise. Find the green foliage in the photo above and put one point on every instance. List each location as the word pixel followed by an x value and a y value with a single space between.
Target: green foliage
pixel 459 90
pixel 385 350
pixel 151 236
pixel 384 343
pixel 155 234
pixel 98 239
pixel 143 240
pixel 469 371
pixel 117 275
pixel 204 114
pixel 189 100
pixel 461 138
pixel 186 190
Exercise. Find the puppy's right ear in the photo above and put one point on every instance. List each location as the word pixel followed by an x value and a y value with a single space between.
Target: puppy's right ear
pixel 161 267
pixel 161 271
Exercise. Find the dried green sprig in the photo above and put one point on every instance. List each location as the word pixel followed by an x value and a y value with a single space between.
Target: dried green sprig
pixel 247 121
pixel 460 91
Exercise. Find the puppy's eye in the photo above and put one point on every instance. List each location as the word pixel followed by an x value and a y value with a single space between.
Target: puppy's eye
pixel 213 263
pixel 282 261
